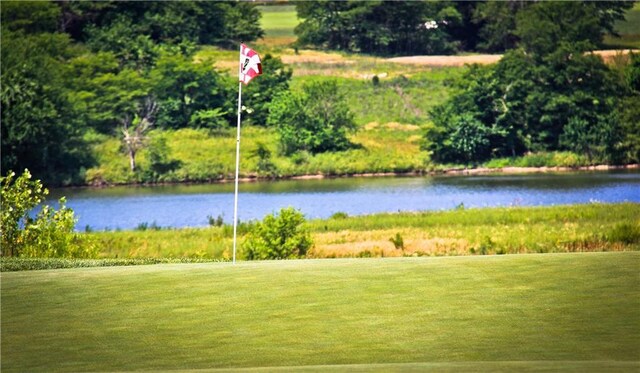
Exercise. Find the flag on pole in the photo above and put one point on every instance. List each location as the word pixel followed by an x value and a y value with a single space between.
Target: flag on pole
pixel 249 68
pixel 250 65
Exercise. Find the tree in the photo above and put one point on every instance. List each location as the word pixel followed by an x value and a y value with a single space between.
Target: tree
pixel 497 24
pixel 135 129
pixel 279 236
pixel 49 234
pixel 40 127
pixel 30 17
pixel 164 22
pixel 104 93
pixel 544 26
pixel 188 93
pixel 259 94
pixel 316 120
pixel 381 27
pixel 547 95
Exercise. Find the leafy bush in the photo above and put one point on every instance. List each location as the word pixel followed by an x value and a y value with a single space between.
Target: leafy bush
pixel 340 215
pixel 49 234
pixel 317 121
pixel 397 241
pixel 279 236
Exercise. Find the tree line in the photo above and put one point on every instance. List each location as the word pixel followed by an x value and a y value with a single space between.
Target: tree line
pixel 433 27
pixel 549 93
pixel 72 71
pixel 75 72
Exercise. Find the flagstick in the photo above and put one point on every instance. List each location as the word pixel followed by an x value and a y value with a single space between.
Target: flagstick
pixel 235 201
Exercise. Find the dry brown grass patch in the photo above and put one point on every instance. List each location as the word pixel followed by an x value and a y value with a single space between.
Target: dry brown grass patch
pixel 344 244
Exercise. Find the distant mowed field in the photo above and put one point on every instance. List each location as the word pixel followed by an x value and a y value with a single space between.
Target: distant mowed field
pixel 278 23
pixel 552 312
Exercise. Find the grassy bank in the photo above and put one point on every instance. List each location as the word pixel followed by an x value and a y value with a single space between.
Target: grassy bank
pixel 593 227
pixel 568 312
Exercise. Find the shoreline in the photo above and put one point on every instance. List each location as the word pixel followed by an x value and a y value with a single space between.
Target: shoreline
pixel 443 172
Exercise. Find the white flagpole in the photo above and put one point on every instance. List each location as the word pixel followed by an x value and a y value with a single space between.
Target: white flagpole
pixel 235 201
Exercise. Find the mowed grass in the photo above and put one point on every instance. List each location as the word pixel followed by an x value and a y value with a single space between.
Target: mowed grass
pixel 551 311
pixel 278 20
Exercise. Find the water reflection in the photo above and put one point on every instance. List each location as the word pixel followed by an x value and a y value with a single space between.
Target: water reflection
pixel 189 205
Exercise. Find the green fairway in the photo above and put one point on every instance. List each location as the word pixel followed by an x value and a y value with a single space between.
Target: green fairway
pixel 278 20
pixel 571 312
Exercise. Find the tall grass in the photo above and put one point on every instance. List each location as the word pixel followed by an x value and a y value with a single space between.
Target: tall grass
pixel 593 227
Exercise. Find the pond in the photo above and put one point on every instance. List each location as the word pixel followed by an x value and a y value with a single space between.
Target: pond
pixel 190 205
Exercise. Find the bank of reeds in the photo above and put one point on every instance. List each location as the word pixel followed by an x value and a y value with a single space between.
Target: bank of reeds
pixel 509 230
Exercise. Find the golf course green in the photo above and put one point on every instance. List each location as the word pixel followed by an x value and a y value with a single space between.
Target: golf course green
pixel 533 312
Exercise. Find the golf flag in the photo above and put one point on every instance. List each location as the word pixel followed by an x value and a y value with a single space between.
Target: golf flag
pixel 249 68
pixel 250 65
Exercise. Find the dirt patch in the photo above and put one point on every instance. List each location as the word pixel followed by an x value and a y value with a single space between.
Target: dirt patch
pixel 392 126
pixel 439 61
pixel 316 57
pixel 482 59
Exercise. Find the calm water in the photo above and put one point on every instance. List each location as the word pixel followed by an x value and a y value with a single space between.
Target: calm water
pixel 189 205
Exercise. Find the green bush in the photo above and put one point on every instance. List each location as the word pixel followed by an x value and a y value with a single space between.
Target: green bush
pixel 279 236
pixel 50 234
pixel 397 241
pixel 316 120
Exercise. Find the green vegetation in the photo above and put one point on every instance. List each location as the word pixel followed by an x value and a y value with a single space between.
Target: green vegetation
pixel 72 69
pixel 593 227
pixel 408 28
pixel 547 95
pixel 628 29
pixel 316 120
pixel 553 312
pixel 11 264
pixel 278 236
pixel 100 67
pixel 379 28
pixel 47 235
pixel 278 20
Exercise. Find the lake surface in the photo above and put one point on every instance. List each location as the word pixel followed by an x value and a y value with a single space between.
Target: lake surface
pixel 189 205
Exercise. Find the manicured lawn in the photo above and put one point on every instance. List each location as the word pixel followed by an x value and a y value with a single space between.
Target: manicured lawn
pixel 524 312
pixel 278 20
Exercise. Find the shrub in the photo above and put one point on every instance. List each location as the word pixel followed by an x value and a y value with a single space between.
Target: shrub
pixel 50 234
pixel 340 215
pixel 215 222
pixel 316 120
pixel 279 236
pixel 397 241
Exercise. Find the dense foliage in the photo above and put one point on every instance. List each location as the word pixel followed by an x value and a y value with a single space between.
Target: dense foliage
pixel 549 94
pixel 384 27
pixel 279 236
pixel 40 126
pixel 315 120
pixel 78 78
pixel 258 95
pixel 73 69
pixel 47 235
pixel 441 27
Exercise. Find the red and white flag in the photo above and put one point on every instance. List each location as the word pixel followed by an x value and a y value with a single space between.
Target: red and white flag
pixel 250 66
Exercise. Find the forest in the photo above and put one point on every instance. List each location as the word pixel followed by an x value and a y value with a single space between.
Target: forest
pixel 93 87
